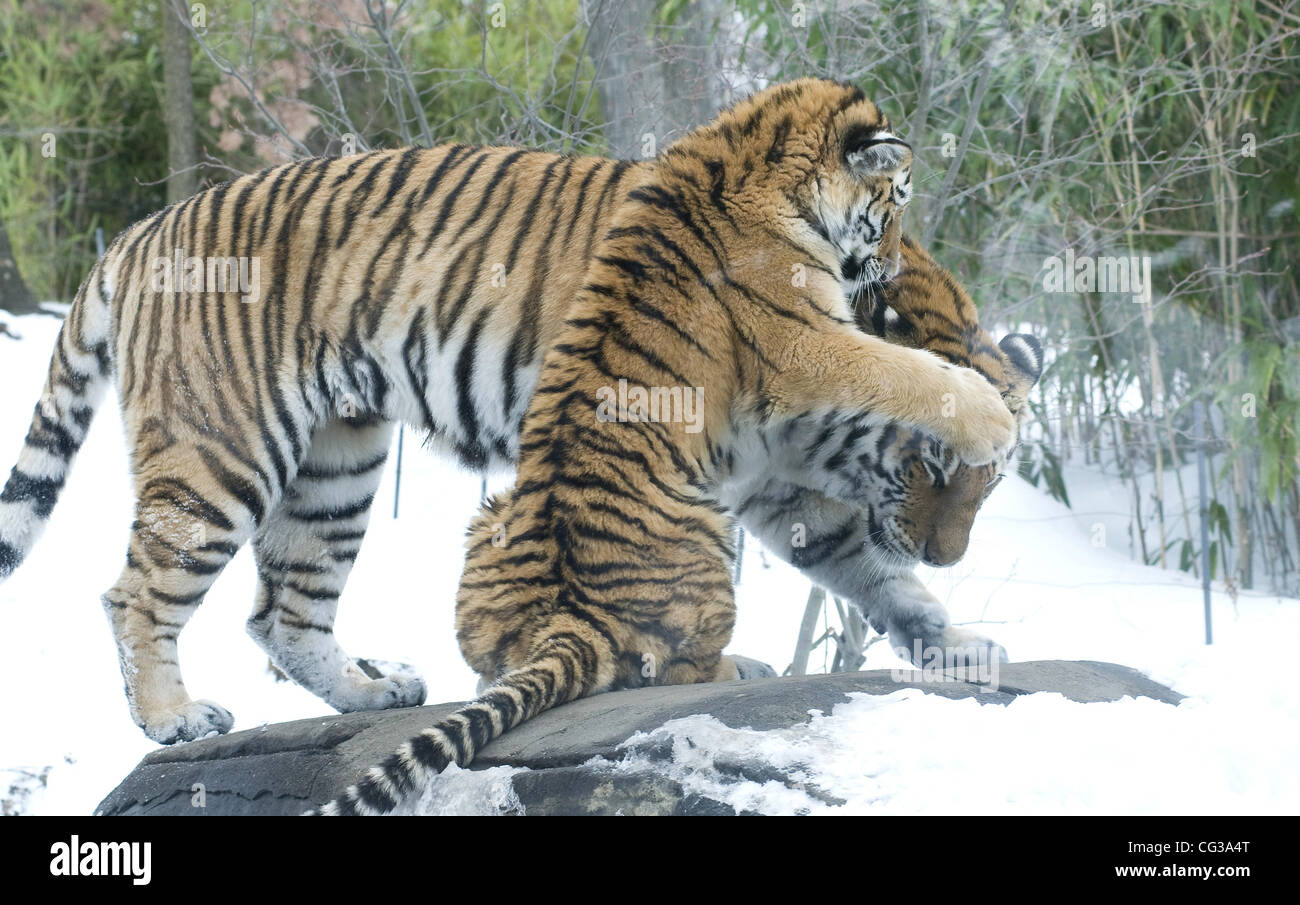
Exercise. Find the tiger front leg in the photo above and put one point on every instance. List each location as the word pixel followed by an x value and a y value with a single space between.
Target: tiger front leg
pixel 920 629
pixel 845 380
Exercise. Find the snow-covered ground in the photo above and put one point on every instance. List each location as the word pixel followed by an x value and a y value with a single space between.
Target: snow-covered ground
pixel 1033 579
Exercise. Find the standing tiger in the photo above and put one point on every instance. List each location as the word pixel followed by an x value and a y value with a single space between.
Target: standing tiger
pixel 608 564
pixel 420 285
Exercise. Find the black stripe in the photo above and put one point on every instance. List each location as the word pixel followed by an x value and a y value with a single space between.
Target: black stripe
pixel 334 513
pixel 440 222
pixel 498 176
pixel 465 387
pixel 400 174
pixel 357 199
pixel 311 594
pixel 23 488
pixel 448 317
pixel 417 371
pixel 9 558
pixel 52 437
pixel 340 536
pixel 578 209
pixel 269 209
pixel 429 753
pixel 505 705
pixel 597 220
pixel 371 794
pixel 177 599
pixel 350 470
pixel 480 724
pixel 523 345
pixel 186 499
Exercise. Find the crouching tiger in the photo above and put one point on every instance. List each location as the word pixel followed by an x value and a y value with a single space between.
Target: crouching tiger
pixel 920 501
pixel 614 548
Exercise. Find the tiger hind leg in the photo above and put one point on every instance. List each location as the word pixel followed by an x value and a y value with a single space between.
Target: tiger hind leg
pixel 184 534
pixel 304 551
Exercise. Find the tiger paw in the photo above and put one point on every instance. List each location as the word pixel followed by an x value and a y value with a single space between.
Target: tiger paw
pixel 977 425
pixel 193 720
pixel 951 648
pixel 378 685
pixel 749 668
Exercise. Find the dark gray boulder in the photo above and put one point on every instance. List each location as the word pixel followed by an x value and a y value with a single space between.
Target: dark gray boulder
pixel 571 754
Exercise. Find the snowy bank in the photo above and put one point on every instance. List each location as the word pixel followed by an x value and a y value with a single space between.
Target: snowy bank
pixel 772 746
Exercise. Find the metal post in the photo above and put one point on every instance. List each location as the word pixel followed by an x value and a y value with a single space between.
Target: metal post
pixel 1199 408
pixel 397 485
pixel 740 553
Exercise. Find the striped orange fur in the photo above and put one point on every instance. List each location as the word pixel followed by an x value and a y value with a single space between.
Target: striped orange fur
pixel 608 564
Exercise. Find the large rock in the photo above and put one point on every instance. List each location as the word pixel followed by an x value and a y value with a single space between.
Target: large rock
pixel 569 753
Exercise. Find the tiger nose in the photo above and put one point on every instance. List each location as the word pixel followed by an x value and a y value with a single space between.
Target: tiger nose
pixel 940 551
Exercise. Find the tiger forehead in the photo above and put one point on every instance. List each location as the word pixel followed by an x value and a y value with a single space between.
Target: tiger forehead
pixel 807 105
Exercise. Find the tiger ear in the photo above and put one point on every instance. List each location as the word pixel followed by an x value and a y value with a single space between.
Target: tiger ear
pixel 870 149
pixel 1025 355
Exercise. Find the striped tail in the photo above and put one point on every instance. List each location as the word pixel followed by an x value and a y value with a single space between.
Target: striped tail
pixel 557 672
pixel 79 373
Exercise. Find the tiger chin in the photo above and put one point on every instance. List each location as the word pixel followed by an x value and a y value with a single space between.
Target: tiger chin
pixel 608 564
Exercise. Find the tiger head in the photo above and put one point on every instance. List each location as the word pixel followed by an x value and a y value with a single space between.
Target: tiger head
pixel 930 504
pixel 927 506
pixel 860 193
pixel 842 177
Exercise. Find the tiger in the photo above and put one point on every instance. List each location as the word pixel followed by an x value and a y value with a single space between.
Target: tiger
pixel 419 285
pixel 923 503
pixel 608 564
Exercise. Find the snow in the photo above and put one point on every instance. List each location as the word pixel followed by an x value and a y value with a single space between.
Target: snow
pixel 466 793
pixel 1032 579
pixel 914 753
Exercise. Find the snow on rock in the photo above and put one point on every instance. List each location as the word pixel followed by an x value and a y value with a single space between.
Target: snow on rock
pixel 641 751
pixel 914 753
pixel 467 793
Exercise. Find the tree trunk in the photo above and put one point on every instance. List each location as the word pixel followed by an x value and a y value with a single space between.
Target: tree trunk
pixel 15 297
pixel 628 76
pixel 178 103
pixel 692 67
pixel 655 82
